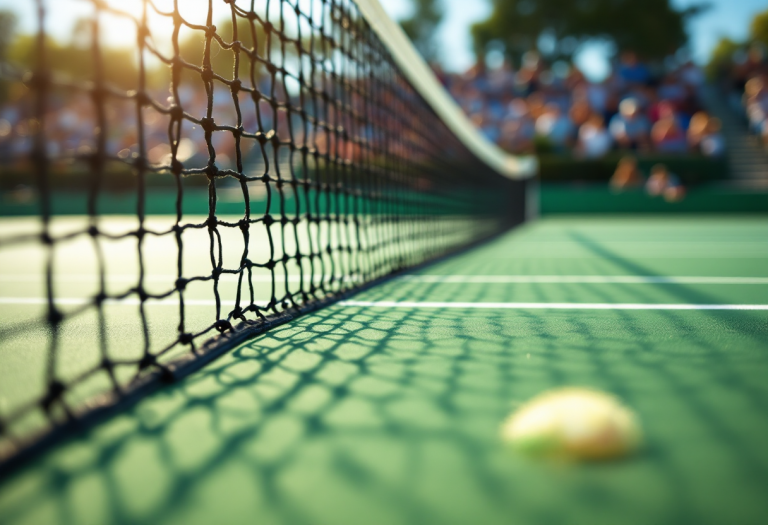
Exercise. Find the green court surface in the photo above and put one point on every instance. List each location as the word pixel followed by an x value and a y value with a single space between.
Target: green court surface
pixel 385 409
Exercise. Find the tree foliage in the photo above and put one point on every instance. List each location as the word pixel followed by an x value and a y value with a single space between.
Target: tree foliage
pixel 422 25
pixel 652 28
pixel 758 29
pixel 117 65
pixel 722 56
pixel 75 57
pixel 7 30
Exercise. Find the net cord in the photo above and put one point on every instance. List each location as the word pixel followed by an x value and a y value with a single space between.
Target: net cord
pixel 418 72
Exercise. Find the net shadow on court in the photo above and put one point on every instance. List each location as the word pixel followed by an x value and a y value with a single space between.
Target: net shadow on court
pixel 346 160
pixel 398 410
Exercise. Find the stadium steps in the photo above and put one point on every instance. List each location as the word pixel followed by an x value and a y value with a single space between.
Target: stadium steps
pixel 747 159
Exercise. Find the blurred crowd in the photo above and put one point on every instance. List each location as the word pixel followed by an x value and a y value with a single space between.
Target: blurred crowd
pixel 71 119
pixel 745 79
pixel 538 108
pixel 541 108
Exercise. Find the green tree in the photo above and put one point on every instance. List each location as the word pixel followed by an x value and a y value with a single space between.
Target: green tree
pixel 75 58
pixel 422 25
pixel 722 57
pixel 758 29
pixel 7 30
pixel 118 66
pixel 652 28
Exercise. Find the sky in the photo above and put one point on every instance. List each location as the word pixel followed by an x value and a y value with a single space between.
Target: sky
pixel 725 18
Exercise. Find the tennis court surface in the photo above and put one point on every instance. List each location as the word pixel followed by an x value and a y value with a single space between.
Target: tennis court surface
pixel 256 266
pixel 376 411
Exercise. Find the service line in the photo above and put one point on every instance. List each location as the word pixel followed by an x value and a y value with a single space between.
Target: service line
pixel 263 276
pixel 581 279
pixel 553 306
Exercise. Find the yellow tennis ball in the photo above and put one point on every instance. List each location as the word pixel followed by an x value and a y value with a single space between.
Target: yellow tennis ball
pixel 573 423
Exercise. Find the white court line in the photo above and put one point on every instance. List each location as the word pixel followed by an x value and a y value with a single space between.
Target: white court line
pixel 554 306
pixel 448 279
pixel 131 301
pixel 258 277
pixel 582 279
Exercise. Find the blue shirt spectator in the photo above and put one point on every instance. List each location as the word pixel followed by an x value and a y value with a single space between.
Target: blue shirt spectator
pixel 632 71
pixel 629 127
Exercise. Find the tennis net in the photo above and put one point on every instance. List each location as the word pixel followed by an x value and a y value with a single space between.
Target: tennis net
pixel 233 165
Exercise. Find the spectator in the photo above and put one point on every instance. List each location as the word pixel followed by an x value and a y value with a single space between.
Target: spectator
pixel 501 78
pixel 692 76
pixel 580 112
pixel 482 122
pixel 629 127
pixel 696 129
pixel 663 183
pixel 672 89
pixel 631 71
pixel 597 95
pixel 556 127
pixel 627 175
pixel 537 104
pixel 518 130
pixel 756 102
pixel 713 142
pixel 594 139
pixel 668 137
pixel 745 80
pixel 657 181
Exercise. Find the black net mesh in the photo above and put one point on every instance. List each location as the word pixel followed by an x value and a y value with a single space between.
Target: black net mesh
pixel 268 156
